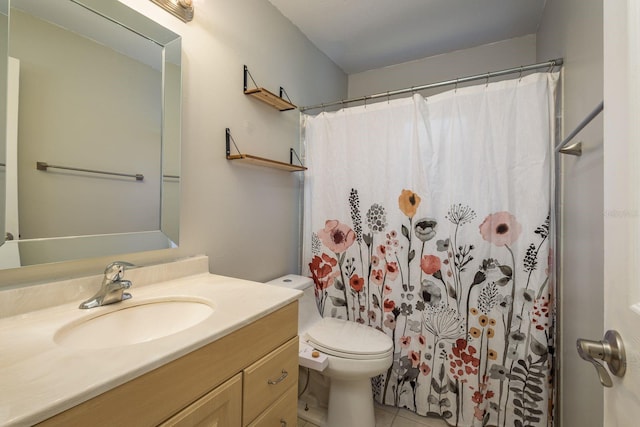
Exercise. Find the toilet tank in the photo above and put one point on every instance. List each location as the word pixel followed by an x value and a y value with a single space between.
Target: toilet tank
pixel 308 313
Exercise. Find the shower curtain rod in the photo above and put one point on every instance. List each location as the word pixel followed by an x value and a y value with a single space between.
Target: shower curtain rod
pixel 550 64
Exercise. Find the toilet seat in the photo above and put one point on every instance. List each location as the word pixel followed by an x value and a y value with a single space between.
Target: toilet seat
pixel 349 340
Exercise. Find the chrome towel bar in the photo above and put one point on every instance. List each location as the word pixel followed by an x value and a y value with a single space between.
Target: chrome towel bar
pixel 43 166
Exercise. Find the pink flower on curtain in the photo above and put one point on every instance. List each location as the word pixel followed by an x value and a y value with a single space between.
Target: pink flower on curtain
pixel 405 341
pixel 390 321
pixel 425 369
pixel 414 356
pixel 375 261
pixel 500 228
pixel 392 270
pixel 422 339
pixel 377 276
pixel 337 236
pixel 382 251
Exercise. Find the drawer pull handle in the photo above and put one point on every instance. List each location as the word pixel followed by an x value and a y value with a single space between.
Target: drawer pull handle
pixel 279 380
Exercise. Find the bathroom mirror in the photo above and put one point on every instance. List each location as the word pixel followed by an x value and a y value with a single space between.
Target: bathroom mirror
pixel 93 160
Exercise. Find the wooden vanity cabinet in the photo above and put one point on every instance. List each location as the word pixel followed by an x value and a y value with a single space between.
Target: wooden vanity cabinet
pixel 220 407
pixel 283 413
pixel 267 380
pixel 238 380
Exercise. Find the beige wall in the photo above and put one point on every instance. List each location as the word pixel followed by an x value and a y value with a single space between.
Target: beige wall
pixel 573 29
pixel 244 218
pixel 467 62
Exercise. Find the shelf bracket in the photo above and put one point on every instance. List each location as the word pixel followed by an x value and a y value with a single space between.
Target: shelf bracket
pixel 247 75
pixel 284 93
pixel 229 141
pixel 277 102
pixel 292 152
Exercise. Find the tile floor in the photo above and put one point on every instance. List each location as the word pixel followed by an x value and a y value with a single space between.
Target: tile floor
pixel 387 416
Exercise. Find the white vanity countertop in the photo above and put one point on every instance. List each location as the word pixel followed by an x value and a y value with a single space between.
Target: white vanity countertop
pixel 39 378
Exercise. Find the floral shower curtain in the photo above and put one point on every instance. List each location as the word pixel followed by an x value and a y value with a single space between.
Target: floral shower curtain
pixel 428 219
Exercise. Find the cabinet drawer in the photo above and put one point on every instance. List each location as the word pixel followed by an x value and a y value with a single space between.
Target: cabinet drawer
pixel 268 379
pixel 220 407
pixel 283 413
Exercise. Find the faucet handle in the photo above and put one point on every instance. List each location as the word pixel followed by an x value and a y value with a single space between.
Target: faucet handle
pixel 125 284
pixel 115 271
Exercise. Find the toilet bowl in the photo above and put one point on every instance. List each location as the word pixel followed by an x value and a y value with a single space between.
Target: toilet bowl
pixel 354 352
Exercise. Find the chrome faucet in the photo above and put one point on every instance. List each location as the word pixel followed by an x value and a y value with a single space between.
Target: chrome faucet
pixel 113 286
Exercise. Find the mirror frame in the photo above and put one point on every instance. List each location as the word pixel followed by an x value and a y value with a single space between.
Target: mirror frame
pixel 4 67
pixel 58 249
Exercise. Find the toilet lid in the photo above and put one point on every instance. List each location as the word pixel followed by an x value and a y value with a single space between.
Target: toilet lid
pixel 348 339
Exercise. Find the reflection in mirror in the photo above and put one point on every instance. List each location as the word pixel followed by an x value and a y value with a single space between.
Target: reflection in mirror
pixel 98 102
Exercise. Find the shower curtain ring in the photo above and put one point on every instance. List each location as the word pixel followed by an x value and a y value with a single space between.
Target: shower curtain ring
pixel 387 97
pixel 486 82
pixel 520 77
pixel 455 89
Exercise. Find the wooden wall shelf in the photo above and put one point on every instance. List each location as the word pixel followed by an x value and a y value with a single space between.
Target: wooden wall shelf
pixel 277 102
pixel 260 161
pixel 270 98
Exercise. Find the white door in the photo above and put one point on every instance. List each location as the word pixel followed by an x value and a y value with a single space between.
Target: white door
pixel 621 203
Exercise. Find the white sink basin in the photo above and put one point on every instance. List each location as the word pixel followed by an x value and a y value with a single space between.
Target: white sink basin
pixel 133 323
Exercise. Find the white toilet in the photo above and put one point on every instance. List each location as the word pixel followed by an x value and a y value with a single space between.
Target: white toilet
pixel 355 353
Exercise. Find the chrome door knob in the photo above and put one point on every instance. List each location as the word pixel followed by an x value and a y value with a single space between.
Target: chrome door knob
pixel 610 350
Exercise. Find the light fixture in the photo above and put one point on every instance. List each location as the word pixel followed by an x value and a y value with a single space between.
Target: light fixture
pixel 182 9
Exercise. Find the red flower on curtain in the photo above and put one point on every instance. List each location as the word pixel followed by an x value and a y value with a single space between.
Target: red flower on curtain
pixel 389 305
pixel 462 361
pixel 356 282
pixel 430 264
pixel 322 271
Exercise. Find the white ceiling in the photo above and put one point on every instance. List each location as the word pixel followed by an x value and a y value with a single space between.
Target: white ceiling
pixel 360 35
